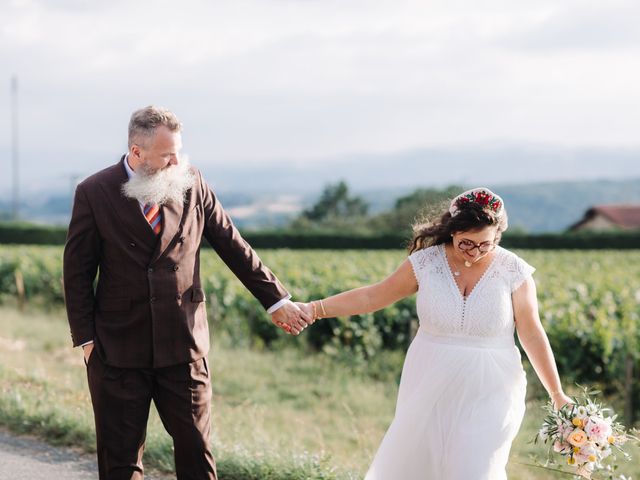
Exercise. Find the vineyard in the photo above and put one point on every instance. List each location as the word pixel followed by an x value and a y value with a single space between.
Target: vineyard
pixel 589 304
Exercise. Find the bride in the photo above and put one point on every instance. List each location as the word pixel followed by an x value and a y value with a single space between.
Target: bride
pixel 462 393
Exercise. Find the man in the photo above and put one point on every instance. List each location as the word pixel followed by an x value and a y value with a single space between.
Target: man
pixel 143 328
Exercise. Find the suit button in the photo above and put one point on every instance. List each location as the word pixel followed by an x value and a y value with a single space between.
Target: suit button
pixel 176 268
pixel 150 269
pixel 152 299
pixel 132 244
pixel 178 297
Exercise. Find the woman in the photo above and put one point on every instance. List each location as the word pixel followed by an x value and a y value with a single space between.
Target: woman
pixel 462 394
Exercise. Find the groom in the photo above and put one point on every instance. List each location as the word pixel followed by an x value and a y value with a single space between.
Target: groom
pixel 139 225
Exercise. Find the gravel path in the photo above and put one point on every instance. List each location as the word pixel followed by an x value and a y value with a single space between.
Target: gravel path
pixel 26 458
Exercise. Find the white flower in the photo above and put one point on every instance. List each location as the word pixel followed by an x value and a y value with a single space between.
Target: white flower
pixel 559 446
pixel 587 454
pixel 585 470
pixel 564 429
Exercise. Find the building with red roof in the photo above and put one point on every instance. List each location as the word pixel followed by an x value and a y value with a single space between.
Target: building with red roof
pixel 610 217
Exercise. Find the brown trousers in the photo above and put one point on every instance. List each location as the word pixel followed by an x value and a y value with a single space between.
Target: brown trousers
pixel 121 399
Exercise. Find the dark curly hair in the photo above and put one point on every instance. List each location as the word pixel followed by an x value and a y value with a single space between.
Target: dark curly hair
pixel 470 217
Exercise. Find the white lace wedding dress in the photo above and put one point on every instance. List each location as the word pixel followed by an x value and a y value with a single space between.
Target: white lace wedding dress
pixel 462 392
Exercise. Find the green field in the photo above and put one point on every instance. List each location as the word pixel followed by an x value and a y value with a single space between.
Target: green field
pixel 589 304
pixel 276 415
pixel 316 406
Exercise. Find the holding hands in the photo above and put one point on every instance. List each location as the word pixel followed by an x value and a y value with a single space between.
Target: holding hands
pixel 293 317
pixel 314 309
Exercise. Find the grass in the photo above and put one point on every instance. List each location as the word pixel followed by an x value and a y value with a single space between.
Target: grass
pixel 276 415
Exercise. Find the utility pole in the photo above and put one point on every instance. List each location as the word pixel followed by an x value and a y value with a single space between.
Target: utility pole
pixel 14 147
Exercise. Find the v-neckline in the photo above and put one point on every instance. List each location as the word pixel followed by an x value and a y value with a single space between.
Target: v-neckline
pixel 445 260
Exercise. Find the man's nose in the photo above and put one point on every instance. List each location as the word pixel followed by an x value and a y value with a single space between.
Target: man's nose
pixel 174 160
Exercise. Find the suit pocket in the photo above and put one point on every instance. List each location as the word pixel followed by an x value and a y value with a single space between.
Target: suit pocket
pixel 197 295
pixel 91 355
pixel 114 304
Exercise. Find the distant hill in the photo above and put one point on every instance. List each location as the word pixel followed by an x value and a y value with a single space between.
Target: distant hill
pixel 532 207
pixel 544 207
pixel 497 163
pixel 552 207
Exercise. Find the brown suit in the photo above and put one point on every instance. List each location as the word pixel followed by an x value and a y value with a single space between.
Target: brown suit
pixel 147 313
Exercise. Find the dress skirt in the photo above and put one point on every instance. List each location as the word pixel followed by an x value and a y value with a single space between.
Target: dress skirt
pixel 460 404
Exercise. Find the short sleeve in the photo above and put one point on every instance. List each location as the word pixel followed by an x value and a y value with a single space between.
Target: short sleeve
pixel 520 272
pixel 420 261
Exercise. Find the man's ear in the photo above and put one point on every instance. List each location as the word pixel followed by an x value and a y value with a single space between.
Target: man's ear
pixel 135 151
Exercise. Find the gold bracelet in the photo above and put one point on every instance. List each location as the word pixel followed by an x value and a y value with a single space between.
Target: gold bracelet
pixel 324 312
pixel 315 311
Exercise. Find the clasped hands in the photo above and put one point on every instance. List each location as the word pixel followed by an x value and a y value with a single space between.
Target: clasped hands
pixel 294 317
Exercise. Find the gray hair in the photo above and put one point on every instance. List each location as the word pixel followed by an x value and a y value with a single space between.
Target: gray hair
pixel 144 122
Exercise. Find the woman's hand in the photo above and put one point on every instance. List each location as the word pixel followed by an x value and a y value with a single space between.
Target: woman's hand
pixel 559 400
pixel 308 309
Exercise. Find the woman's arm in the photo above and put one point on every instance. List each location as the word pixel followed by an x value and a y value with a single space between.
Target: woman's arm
pixel 535 342
pixel 370 298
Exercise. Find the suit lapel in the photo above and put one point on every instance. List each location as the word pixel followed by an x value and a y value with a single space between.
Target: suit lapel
pixel 171 223
pixel 128 209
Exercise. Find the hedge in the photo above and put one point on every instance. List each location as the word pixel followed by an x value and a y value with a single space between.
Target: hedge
pixel 30 234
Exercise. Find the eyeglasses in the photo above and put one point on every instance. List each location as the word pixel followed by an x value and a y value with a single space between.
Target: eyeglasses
pixel 468 246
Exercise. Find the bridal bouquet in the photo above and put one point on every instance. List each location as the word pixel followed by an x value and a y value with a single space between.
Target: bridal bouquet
pixel 585 436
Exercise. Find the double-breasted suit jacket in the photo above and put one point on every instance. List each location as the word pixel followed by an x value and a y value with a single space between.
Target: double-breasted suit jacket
pixel 147 308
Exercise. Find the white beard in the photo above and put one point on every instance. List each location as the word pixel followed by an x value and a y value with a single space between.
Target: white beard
pixel 162 186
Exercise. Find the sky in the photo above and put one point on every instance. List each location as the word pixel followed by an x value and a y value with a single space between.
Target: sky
pixel 262 84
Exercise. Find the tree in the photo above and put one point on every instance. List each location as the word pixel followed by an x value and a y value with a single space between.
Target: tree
pixel 423 202
pixel 336 208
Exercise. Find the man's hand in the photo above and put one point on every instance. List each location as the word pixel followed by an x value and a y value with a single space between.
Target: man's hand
pixel 87 349
pixel 308 309
pixel 291 319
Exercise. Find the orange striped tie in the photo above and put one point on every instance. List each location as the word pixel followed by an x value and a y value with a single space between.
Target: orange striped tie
pixel 152 214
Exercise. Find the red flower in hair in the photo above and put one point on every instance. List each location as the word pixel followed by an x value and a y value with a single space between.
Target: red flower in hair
pixel 482 198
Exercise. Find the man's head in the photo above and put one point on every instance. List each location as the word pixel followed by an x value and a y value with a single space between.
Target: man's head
pixel 155 141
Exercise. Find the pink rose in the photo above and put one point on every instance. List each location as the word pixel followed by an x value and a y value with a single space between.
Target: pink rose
pixel 598 430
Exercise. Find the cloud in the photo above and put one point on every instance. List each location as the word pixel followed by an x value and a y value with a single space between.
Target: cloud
pixel 259 80
pixel 582 26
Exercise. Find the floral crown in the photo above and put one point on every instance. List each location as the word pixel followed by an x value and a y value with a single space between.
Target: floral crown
pixel 482 196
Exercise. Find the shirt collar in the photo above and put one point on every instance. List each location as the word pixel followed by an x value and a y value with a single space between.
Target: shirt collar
pixel 127 167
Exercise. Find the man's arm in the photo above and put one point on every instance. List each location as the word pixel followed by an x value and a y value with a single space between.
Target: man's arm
pixel 80 265
pixel 244 262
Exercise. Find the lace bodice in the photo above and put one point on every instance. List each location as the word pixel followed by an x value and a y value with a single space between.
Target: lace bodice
pixel 486 312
